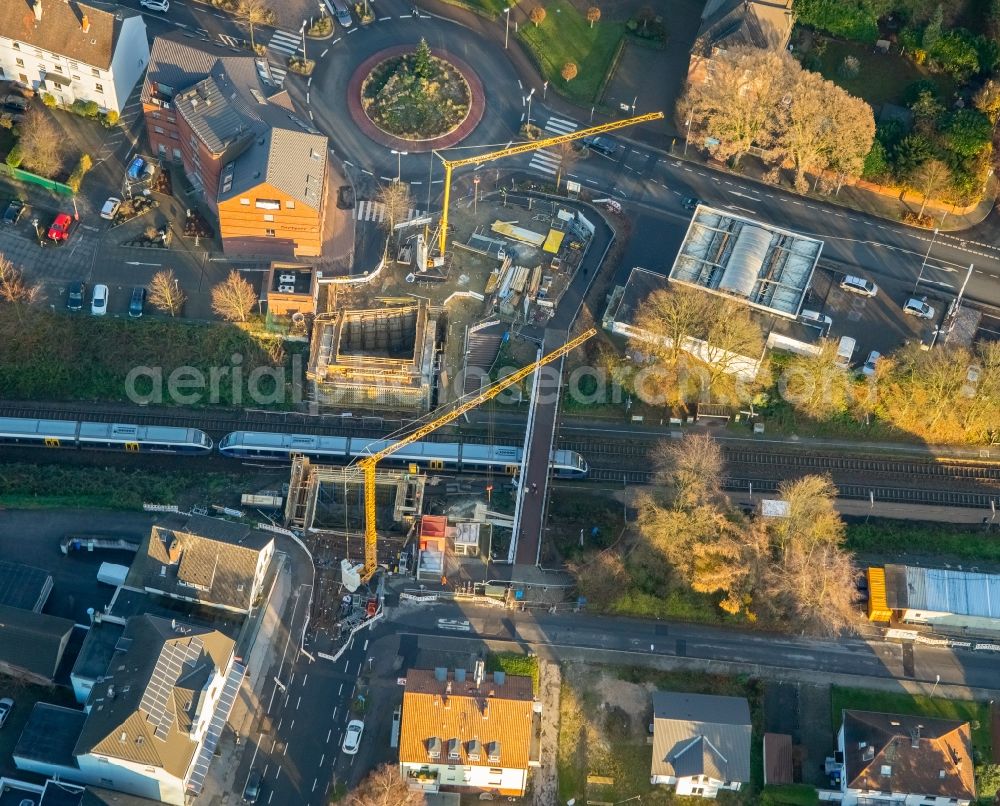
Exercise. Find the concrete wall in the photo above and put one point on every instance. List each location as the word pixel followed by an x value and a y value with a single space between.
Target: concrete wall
pixel 146 782
pixel 128 64
pixel 505 780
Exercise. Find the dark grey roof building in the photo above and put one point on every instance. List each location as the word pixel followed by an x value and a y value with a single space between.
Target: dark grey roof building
pixel 32 644
pixel 701 742
pixel 24 586
pixel 765 24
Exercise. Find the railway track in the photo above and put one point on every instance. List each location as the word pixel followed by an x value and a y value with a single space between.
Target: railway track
pixel 895 495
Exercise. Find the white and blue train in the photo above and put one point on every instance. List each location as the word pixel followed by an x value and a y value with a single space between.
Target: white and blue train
pixel 103 436
pixel 431 455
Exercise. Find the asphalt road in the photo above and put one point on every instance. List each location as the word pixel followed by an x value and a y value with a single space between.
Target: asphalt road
pixel 758 651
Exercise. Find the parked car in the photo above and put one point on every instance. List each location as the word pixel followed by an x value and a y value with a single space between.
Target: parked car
pixel 156 5
pixel 76 295
pixel 859 285
pixel 816 318
pixel 345 197
pixel 15 102
pixel 690 202
pixel 99 302
pixel 251 791
pixel 134 170
pixel 918 307
pixel 6 706
pixel 343 13
pixel 59 230
pixel 869 367
pixel 602 145
pixel 845 351
pixel 352 738
pixel 110 208
pixel 13 212
pixel 138 302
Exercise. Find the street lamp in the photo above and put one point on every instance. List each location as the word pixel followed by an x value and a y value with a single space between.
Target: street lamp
pixel 633 104
pixel 506 27
pixel 545 88
pixel 528 121
pixel 924 264
pixel 687 134
pixel 399 162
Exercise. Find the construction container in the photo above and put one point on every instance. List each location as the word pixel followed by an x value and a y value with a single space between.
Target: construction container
pixel 878 608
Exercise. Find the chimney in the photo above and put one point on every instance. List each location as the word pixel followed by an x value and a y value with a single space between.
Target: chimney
pixel 915 737
pixel 480 672
pixel 37 8
pixel 85 23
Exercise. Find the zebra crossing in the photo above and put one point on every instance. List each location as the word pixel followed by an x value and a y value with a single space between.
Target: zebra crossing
pixel 547 162
pixel 285 42
pixel 375 211
pixel 229 41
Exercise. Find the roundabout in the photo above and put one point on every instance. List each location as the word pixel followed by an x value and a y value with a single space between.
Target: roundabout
pixel 415 98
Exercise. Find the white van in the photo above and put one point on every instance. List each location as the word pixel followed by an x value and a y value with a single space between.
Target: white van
pixel 845 351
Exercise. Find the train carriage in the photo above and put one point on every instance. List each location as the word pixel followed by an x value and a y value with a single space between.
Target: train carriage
pixel 103 436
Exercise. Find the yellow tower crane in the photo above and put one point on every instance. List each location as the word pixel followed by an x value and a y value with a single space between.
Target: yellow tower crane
pixel 368 463
pixel 521 148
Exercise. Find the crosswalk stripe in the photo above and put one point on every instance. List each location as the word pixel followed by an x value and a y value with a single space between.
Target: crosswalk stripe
pixel 546 156
pixel 285 42
pixel 560 126
pixel 368 210
pixel 228 40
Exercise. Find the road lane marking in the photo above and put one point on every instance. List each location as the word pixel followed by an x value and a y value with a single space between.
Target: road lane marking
pixel 292 726
pixel 304 679
pixel 322 758
pixel 335 713
pixel 298 702
pixel 365 647
pixel 329 733
pixel 346 664
pixel 325 51
pixel 270 796
pixel 284 749
pixel 314 784
pixel 340 690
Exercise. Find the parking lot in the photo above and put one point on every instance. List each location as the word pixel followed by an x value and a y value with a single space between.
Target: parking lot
pixel 876 323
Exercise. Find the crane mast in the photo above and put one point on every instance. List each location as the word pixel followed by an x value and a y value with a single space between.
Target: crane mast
pixel 368 463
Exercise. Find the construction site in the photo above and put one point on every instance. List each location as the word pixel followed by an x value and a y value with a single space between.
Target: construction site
pixel 377 358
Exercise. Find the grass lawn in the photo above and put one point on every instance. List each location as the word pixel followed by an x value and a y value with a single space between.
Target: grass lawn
pixel 514 663
pixel 27 486
pixel 975 713
pixel 491 8
pixel 46 355
pixel 896 537
pixel 883 77
pixel 566 36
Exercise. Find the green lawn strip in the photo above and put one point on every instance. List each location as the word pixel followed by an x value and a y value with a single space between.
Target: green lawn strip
pixel 27 486
pixel 882 78
pixel 515 664
pixel 789 795
pixel 493 9
pixel 899 702
pixel 46 355
pixel 891 537
pixel 566 36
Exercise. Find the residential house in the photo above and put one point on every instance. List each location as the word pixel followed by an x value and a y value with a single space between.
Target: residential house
pixel 904 759
pixel 59 793
pixel 472 733
pixel 152 722
pixel 206 561
pixel 701 742
pixel 32 644
pixel 247 151
pixel 291 290
pixel 726 24
pixel 73 51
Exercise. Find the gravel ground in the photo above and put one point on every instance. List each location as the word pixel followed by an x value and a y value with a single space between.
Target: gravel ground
pixel 546 784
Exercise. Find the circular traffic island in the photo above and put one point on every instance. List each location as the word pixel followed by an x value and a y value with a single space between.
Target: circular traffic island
pixel 416 96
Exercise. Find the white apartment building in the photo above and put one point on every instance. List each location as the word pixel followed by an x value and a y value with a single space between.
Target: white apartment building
pixel 73 51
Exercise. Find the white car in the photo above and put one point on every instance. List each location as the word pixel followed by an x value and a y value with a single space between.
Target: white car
pixel 110 208
pixel 859 285
pixel 869 367
pixel 156 5
pixel 917 307
pixel 352 739
pixel 99 303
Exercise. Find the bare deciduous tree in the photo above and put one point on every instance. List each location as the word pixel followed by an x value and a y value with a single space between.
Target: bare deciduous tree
pixel 165 292
pixel 929 179
pixel 600 578
pixel 816 385
pixel 690 471
pixel 41 143
pixel 537 15
pixel 15 289
pixel 384 786
pixel 738 103
pixel 254 12
pixel 395 197
pixel 593 15
pixel 233 299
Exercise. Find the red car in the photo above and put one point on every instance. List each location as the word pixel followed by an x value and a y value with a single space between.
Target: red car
pixel 59 231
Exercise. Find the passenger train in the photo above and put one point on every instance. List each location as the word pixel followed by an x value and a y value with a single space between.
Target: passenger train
pixel 430 455
pixel 103 436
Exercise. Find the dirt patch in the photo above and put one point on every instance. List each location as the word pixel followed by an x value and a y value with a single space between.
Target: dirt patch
pixel 633 698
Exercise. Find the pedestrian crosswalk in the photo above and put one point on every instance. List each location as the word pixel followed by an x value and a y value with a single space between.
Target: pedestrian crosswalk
pixel 547 161
pixel 229 41
pixel 285 42
pixel 375 211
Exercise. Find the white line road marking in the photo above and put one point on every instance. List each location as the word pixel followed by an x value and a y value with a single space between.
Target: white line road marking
pixel 369 173
pixel 291 679
pixel 311 115
pixel 325 51
pixel 346 664
pixel 284 749
pixel 298 702
pixel 304 679
pixel 329 733
pixel 292 726
pixel 271 795
pixel 314 784
pixel 340 690
pixel 438 182
pixel 279 722
pixel 322 758
pixel 335 709
pixel 386 178
pixel 309 83
pixel 351 31
pixel 365 647
pixel 383 19
pixel 274 743
pixel 416 183
pixel 307 96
